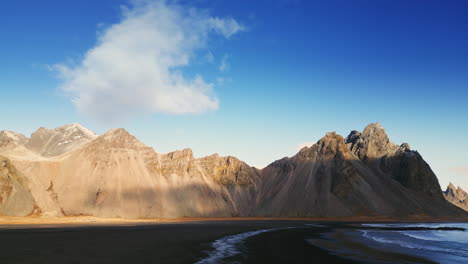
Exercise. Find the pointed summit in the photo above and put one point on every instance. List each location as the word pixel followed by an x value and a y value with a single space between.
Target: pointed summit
pixel 374 127
pixel 451 186
pixel 77 128
pixel 331 143
pixel 116 132
pixel 457 196
pixel 119 138
pixel 328 147
pixel 56 141
pixel 10 137
pixel 372 143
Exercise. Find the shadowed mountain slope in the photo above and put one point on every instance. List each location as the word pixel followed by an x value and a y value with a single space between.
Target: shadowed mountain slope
pixel 116 175
pixel 71 171
pixel 364 174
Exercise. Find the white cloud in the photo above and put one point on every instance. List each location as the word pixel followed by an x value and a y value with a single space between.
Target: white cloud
pixel 224 66
pixel 302 145
pixel 135 65
pixel 227 26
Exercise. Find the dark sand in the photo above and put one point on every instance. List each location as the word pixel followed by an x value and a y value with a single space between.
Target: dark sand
pixel 185 242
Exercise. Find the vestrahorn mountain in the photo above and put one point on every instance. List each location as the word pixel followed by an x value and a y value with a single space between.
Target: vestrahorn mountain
pixel 70 171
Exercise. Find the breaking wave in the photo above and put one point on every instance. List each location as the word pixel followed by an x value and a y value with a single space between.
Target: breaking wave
pixel 451 239
pixel 229 246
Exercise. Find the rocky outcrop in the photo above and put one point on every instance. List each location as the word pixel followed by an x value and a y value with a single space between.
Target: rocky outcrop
pixel 229 170
pixel 116 175
pixel 54 142
pixel 15 197
pixel 371 144
pixel 456 196
pixel 10 138
pixel 364 174
pixel 406 166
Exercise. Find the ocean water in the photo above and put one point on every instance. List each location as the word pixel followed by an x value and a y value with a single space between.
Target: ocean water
pixel 433 241
pixel 229 246
pixel 436 242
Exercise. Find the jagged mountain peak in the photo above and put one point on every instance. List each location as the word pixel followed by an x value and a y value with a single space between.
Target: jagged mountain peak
pixel 457 196
pixel 12 135
pixel 405 147
pixel 454 189
pixel 328 147
pixel 56 141
pixel 11 139
pixel 331 143
pixel 451 186
pixel 116 133
pixel 179 154
pixel 116 175
pixel 77 127
pixel 375 133
pixel 374 127
pixel 118 138
pixel 372 143
pixel 67 129
pixel 353 136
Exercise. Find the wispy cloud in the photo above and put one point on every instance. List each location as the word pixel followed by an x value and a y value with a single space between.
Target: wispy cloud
pixel 209 57
pixel 460 170
pixel 225 26
pixel 224 65
pixel 302 145
pixel 135 66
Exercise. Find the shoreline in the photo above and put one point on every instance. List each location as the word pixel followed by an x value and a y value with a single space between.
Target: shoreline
pixel 191 240
pixel 15 221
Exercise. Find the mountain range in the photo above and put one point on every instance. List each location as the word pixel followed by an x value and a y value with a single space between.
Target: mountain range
pixel 71 171
pixel 457 196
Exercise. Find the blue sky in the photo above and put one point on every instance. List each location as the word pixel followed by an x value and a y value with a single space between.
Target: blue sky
pixel 293 70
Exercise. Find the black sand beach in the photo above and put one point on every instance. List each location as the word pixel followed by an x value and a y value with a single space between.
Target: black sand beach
pixel 178 243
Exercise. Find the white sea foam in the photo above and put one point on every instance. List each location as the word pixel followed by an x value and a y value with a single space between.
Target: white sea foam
pixel 421 240
pixel 229 246
pixel 315 225
pixel 422 225
pixel 436 235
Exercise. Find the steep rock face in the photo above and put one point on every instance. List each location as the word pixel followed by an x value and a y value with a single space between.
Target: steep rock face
pixel 54 142
pixel 364 174
pixel 456 196
pixel 321 180
pixel 12 143
pixel 116 175
pixel 11 138
pixel 15 197
pixel 372 143
pixel 408 167
pixel 229 170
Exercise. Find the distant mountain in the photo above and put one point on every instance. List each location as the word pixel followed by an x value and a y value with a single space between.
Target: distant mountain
pixel 46 142
pixel 54 142
pixel 457 196
pixel 70 171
